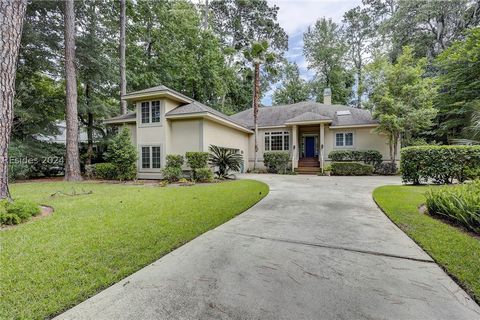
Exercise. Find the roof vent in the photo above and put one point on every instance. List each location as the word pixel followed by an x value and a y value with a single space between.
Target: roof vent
pixel 343 113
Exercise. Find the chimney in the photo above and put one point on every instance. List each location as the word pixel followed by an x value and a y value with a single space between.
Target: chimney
pixel 327 96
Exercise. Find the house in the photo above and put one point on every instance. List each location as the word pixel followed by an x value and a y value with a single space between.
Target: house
pixel 168 122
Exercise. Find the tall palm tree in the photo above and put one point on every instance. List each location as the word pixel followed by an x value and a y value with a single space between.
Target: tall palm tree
pixel 257 54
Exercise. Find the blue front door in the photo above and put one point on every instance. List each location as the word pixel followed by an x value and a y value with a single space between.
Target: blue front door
pixel 309 147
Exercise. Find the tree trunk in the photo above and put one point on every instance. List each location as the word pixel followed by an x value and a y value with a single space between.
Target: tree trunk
pixel 123 77
pixel 72 161
pixel 88 161
pixel 256 96
pixel 205 17
pixel 12 13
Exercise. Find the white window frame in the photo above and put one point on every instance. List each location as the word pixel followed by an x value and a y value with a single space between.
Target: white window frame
pixel 150 114
pixel 140 160
pixel 268 146
pixel 344 135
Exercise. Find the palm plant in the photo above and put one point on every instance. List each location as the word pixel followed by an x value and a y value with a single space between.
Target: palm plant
pixel 225 160
pixel 257 54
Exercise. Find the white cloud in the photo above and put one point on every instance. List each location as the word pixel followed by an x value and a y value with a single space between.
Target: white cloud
pixel 297 15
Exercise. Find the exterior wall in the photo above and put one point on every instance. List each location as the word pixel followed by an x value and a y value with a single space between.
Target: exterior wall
pixel 223 136
pixel 186 135
pixel 154 134
pixel 261 145
pixel 363 139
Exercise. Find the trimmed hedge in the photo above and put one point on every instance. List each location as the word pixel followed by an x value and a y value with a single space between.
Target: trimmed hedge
pixel 196 160
pixel 174 160
pixel 442 164
pixel 460 204
pixel 173 170
pixel 276 162
pixel 372 157
pixel 386 168
pixel 351 169
pixel 106 170
pixel 204 174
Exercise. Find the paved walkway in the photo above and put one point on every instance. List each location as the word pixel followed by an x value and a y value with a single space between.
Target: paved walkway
pixel 314 248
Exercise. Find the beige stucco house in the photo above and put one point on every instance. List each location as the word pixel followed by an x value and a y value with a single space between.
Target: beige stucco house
pixel 168 122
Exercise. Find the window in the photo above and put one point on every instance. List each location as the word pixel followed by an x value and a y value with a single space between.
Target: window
pixel 156 157
pixel 145 112
pixel 277 141
pixel 150 112
pixel 145 157
pixel 151 157
pixel 344 139
pixel 155 111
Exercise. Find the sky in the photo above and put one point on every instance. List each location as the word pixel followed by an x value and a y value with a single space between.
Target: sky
pixel 295 16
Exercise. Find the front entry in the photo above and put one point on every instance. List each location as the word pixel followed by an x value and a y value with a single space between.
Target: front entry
pixel 309 147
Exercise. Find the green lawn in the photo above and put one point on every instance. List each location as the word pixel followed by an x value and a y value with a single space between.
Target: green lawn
pixel 94 240
pixel 457 252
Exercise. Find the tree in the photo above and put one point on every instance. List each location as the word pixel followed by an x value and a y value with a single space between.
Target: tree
pixel 459 95
pixel 358 32
pixel 239 23
pixel 12 13
pixel 401 98
pixel 258 54
pixel 427 26
pixel 123 155
pixel 123 76
pixel 325 51
pixel 72 160
pixel 39 97
pixel 293 88
pixel 97 68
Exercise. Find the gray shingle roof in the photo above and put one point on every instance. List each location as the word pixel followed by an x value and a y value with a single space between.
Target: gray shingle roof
pixel 128 116
pixel 279 115
pixel 308 116
pixel 197 107
pixel 159 89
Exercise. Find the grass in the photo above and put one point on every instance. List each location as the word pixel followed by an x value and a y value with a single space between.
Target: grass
pixel 94 240
pixel 453 249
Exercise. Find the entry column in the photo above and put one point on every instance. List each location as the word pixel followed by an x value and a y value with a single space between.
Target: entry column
pixel 294 147
pixel 321 154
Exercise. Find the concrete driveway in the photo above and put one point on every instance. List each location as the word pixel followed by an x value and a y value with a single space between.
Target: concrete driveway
pixel 314 248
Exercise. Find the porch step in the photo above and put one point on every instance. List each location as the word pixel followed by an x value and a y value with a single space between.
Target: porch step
pixel 308 162
pixel 307 170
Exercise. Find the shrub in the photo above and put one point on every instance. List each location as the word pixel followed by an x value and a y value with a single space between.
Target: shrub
pixel 442 164
pixel 472 173
pixel 351 169
pixel 23 209
pixel 196 160
pixel 276 162
pixel 11 219
pixel 106 171
pixel 204 175
pixel 460 204
pixel 123 155
pixel 173 170
pixel 174 161
pixel 32 159
pixel 18 211
pixel 172 174
pixel 372 157
pixel 386 168
pixel 225 160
